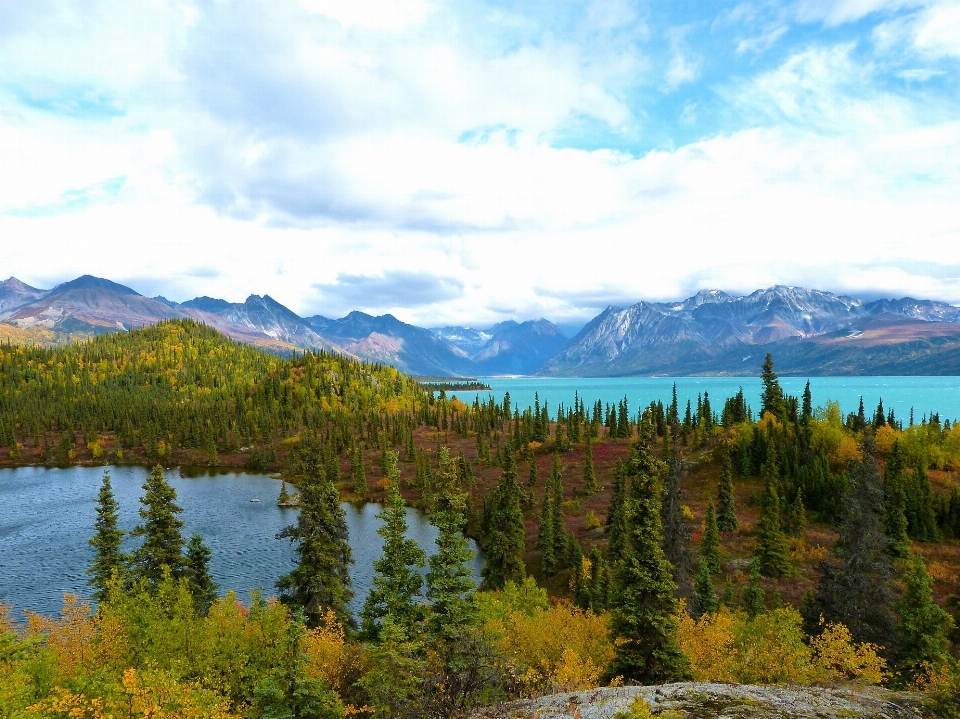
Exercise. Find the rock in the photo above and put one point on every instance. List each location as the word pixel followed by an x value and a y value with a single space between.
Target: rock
pixel 724 701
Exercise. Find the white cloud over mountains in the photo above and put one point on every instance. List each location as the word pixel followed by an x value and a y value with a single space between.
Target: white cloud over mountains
pixel 461 162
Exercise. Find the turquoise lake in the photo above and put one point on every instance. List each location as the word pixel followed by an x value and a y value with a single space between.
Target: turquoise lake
pixel 923 394
pixel 47 515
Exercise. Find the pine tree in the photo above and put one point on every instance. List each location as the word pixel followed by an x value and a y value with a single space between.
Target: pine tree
pixel 321 580
pixel 161 531
pixel 796 515
pixel 772 552
pixel 923 625
pixel 771 400
pixel 504 541
pixel 643 621
pixel 532 478
pixel 895 501
pixel 396 583
pixel 676 531
pixel 450 588
pixel 753 592
pixel 548 560
pixel 108 559
pixel 856 586
pixel 726 503
pixel 284 497
pixel 202 586
pixel 704 595
pixel 590 485
pixel 559 527
pixel 710 542
pixel 807 408
pixel 358 474
pixel 617 513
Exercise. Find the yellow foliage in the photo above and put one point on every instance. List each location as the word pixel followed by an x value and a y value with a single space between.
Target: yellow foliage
pixel 331 659
pixel 884 438
pixel 836 652
pixel 561 648
pixel 71 637
pixel 768 422
pixel 639 709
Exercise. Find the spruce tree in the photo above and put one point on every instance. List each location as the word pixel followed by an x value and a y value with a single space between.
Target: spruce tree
pixel 617 513
pixel 108 558
pixel 321 579
pixel 771 400
pixel 396 583
pixel 796 515
pixel 202 586
pixel 726 503
pixel 643 621
pixel 856 586
pixel 161 531
pixel 772 552
pixel 710 542
pixel 753 592
pixel 590 485
pixel 923 625
pixel 358 474
pixel 704 595
pixel 676 531
pixel 532 477
pixel 504 541
pixel 450 588
pixel 559 527
pixel 895 501
pixel 548 560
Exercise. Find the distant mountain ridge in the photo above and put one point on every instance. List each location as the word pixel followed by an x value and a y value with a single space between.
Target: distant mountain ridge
pixel 809 332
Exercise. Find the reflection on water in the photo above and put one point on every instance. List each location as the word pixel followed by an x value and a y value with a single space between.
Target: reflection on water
pixel 47 516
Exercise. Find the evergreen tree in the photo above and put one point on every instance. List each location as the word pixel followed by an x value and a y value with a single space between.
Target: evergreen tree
pixel 532 478
pixel 796 515
pixel 284 497
pixel 753 594
pixel 202 586
pixel 108 559
pixel 807 411
pixel 704 595
pixel 643 618
pixel 772 552
pixel 726 503
pixel 710 542
pixel 358 473
pixel 676 531
pixel 590 485
pixel 161 531
pixel 504 541
pixel 396 583
pixel 321 579
pixel 923 625
pixel 771 399
pixel 545 542
pixel 856 586
pixel 559 528
pixel 895 501
pixel 617 513
pixel 450 588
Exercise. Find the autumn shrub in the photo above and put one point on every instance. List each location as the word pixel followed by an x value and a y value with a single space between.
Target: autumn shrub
pixel 771 648
pixel 546 648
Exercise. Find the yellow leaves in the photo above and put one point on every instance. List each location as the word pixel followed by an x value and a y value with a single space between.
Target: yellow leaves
pixel 836 652
pixel 64 703
pixel 884 438
pixel 71 637
pixel 707 644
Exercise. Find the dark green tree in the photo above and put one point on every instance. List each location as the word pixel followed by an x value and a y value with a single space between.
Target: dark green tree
pixel 677 531
pixel 396 582
pixel 559 527
pixel 772 551
pixel 726 503
pixel 895 501
pixel 753 594
pixel 504 541
pixel 532 478
pixel 643 618
pixel 710 541
pixel 548 560
pixel 704 595
pixel 321 579
pixel 358 473
pixel 923 625
pixel 771 399
pixel 617 513
pixel 108 559
pixel 590 485
pixel 161 531
pixel 202 586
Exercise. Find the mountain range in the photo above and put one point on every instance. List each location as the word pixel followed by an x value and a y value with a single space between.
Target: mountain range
pixel 809 332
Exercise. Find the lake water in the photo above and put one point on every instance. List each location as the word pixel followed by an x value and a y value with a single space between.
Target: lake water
pixel 923 394
pixel 47 516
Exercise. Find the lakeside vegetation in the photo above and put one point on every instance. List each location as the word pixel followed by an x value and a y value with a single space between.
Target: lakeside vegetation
pixel 712 541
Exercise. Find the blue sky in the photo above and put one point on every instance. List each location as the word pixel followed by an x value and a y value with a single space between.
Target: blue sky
pixel 466 162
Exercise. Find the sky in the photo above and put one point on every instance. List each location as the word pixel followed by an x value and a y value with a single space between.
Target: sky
pixel 472 161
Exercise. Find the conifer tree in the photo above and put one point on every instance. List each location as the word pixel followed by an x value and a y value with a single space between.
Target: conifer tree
pixel 807 407
pixel 726 503
pixel 532 478
pixel 704 595
pixel 559 528
pixel 710 542
pixel 856 586
pixel 504 541
pixel 643 618
pixel 923 625
pixel 396 583
pixel 753 592
pixel 161 531
pixel 450 588
pixel 358 473
pixel 590 485
pixel 796 515
pixel 108 558
pixel 617 513
pixel 284 497
pixel 895 501
pixel 548 560
pixel 676 531
pixel 771 400
pixel 772 552
pixel 321 579
pixel 202 586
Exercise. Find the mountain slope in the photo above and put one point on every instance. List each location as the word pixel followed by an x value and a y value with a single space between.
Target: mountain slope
pixel 518 348
pixel 808 331
pixel 14 293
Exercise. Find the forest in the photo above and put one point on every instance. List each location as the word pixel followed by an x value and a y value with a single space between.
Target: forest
pixel 705 540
